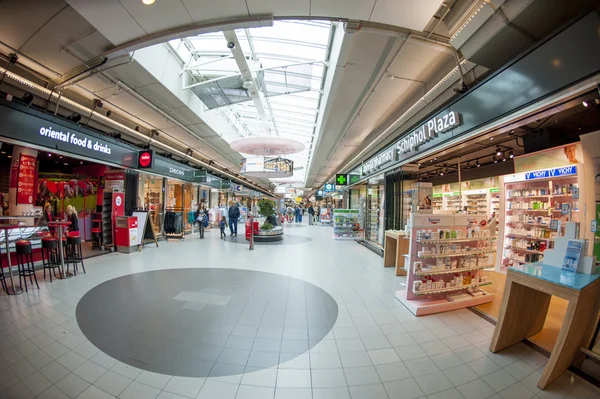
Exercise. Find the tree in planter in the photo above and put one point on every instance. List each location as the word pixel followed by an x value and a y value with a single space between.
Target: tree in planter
pixel 266 208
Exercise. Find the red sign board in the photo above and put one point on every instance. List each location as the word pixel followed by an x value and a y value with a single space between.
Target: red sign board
pixel 26 180
pixel 146 159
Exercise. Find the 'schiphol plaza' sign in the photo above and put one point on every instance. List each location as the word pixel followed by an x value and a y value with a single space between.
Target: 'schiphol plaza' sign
pixel 412 141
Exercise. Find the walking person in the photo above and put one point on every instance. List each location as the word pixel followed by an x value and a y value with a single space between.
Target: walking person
pixel 311 214
pixel 234 214
pixel 297 213
pixel 222 225
pixel 318 215
pixel 202 218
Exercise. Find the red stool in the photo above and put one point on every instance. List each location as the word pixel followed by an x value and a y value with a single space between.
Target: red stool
pixel 50 259
pixel 74 253
pixel 25 261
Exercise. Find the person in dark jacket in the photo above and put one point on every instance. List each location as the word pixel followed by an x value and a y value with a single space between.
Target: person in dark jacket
pixel 72 215
pixel 201 216
pixel 48 218
pixel 311 213
pixel 234 214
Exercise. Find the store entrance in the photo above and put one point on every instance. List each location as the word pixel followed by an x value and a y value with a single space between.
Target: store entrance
pixel 56 183
pixel 524 183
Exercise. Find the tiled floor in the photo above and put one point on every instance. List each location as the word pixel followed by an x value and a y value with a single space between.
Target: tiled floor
pixel 376 349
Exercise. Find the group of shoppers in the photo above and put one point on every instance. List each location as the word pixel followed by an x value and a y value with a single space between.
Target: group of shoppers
pixel 201 216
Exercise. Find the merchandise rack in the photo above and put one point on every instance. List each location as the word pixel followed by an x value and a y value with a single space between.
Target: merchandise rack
pixel 530 207
pixel 438 260
pixel 346 224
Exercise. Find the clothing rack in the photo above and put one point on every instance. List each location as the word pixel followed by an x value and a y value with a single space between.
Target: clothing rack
pixel 173 223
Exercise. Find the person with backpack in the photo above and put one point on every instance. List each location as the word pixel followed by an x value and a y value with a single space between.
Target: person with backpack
pixel 234 214
pixel 201 216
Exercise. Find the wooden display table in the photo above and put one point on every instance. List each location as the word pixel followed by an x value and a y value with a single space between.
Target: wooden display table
pixel 394 250
pixel 525 305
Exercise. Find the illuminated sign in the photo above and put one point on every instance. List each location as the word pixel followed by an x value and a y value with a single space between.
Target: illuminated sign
pixel 378 161
pixel 341 180
pixel 547 173
pixel 146 159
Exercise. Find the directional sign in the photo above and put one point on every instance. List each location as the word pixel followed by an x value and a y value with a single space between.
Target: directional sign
pixel 341 180
pixel 329 187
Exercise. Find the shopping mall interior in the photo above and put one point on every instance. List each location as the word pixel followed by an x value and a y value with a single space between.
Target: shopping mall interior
pixel 299 199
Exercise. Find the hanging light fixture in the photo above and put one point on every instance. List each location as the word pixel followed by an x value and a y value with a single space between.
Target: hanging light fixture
pixel 495 159
pixel 503 157
pixel 478 164
pixel 511 154
pixel 498 152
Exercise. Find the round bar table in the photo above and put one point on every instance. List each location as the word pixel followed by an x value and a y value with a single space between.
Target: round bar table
pixel 60 225
pixel 14 289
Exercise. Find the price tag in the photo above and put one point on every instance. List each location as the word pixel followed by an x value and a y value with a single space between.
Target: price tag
pixel 565 208
pixel 594 226
pixel 575 193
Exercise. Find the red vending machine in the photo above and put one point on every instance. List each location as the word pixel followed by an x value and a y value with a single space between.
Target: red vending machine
pixel 126 234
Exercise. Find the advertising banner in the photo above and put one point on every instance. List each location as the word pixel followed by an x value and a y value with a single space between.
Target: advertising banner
pixel 26 179
pixel 548 159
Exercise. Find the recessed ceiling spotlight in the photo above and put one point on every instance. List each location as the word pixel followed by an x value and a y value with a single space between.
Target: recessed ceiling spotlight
pixel 585 104
pixel 148 2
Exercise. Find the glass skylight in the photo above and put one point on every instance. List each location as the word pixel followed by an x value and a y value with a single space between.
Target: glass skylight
pixel 287 62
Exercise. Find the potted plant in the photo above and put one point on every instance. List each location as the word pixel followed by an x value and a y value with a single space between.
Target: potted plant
pixel 266 208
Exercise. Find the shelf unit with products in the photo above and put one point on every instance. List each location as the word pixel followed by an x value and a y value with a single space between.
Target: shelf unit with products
pixel 437 202
pixel 477 201
pixel 453 202
pixel 346 224
pixel 533 201
pixel 446 258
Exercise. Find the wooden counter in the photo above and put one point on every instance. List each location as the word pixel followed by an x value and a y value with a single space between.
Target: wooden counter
pixel 395 247
pixel 525 306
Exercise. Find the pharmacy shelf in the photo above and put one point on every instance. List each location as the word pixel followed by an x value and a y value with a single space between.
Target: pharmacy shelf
pixel 524 250
pixel 527 197
pixel 528 237
pixel 425 306
pixel 454 255
pixel 451 240
pixel 450 271
pixel 451 289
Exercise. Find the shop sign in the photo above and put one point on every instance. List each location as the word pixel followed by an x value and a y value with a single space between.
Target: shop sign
pixel 146 159
pixel 225 184
pixel 378 161
pixel 26 179
pixel 200 176
pixel 49 132
pixel 341 180
pixel 495 190
pixel 427 132
pixel 353 179
pixel 548 173
pixel 329 187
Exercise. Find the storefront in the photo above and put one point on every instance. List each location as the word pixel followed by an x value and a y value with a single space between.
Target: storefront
pixel 510 160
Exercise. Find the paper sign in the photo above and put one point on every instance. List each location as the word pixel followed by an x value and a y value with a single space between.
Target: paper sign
pixel 565 208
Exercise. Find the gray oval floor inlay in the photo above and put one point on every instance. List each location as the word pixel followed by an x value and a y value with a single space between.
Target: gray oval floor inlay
pixel 205 322
pixel 288 239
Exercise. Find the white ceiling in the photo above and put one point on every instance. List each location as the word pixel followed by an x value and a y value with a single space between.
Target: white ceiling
pixel 122 21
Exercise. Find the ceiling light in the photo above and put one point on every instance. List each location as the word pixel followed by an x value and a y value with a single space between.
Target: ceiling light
pixel 511 155
pixel 504 157
pixel 2 152
pixel 468 166
pixel 65 163
pixel 498 152
pixel 478 164
pixel 148 2
pixel 585 104
pixel 442 173
pixel 491 138
pixel 9 156
pixel 495 159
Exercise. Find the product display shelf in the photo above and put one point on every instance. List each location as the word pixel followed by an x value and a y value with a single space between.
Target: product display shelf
pixel 531 206
pixel 451 289
pixel 439 282
pixel 346 224
pixel 454 255
pixel 437 202
pixel 451 271
pixel 477 202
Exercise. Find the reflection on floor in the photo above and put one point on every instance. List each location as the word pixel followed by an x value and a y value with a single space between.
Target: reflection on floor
pixel 376 349
pixel 556 312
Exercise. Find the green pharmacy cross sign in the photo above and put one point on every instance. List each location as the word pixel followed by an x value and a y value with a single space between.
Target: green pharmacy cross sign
pixel 341 180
